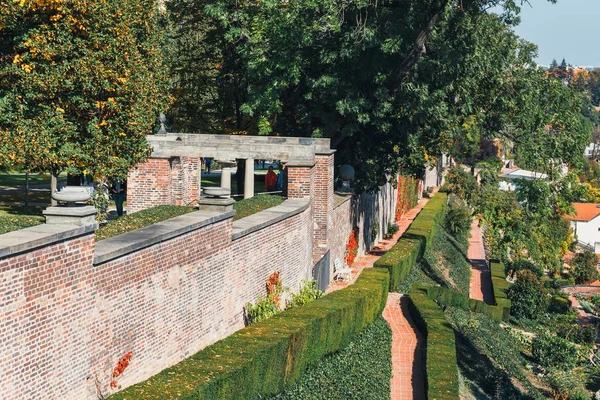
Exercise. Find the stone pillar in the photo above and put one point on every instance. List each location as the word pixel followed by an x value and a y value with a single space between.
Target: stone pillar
pixel 226 177
pixel 80 216
pixel 249 179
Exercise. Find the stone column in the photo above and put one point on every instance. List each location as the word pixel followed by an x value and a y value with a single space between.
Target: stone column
pixel 249 179
pixel 226 177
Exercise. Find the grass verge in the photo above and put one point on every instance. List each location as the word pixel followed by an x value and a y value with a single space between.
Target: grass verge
pixel 247 207
pixel 11 223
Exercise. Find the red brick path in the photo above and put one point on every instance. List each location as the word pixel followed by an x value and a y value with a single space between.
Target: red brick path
pixel 481 279
pixel 407 370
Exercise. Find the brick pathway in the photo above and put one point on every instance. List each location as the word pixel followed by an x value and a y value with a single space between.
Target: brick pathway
pixel 407 369
pixel 407 354
pixel 481 278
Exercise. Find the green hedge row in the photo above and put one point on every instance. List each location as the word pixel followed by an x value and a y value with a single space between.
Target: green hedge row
pixel 264 358
pixel 449 297
pixel 400 259
pixel 441 368
pixel 500 286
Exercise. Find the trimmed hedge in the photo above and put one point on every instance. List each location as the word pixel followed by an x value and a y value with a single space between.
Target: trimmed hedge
pixel 449 297
pixel 266 357
pixel 441 367
pixel 400 259
pixel 500 285
pixel 361 371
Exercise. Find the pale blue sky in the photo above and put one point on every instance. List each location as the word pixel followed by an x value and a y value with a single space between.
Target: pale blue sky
pixel 569 29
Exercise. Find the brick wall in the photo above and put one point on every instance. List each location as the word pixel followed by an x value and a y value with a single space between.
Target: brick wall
pixel 323 205
pixel 45 320
pixel 65 324
pixel 163 181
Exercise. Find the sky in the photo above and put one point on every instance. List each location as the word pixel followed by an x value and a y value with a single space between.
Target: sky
pixel 569 29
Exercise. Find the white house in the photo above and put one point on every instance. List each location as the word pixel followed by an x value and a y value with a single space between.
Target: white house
pixel 586 224
pixel 508 177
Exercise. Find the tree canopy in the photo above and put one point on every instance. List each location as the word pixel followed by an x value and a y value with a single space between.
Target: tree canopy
pixel 393 83
pixel 81 83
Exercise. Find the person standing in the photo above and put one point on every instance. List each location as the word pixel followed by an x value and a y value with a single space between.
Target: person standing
pixel 207 162
pixel 271 180
pixel 118 191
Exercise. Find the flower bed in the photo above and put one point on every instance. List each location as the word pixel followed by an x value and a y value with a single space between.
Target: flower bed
pixel 266 357
pixel 400 259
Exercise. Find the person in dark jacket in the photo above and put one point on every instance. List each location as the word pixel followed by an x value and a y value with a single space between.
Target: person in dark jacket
pixel 118 191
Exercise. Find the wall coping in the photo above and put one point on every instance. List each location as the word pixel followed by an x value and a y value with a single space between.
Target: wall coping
pixel 28 239
pixel 263 219
pixel 126 243
pixel 340 198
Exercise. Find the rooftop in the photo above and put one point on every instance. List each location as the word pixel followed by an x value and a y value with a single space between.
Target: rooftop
pixel 585 212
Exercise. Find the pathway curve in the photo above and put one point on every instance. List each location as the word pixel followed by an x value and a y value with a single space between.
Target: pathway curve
pixel 407 343
pixel 481 278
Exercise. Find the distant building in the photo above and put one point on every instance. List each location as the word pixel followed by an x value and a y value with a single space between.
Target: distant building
pixel 586 225
pixel 589 150
pixel 510 176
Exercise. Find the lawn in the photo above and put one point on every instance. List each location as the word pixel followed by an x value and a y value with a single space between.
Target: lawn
pixel 16 178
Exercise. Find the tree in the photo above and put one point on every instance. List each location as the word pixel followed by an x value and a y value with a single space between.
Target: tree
pixel 393 84
pixel 81 84
pixel 584 268
pixel 528 296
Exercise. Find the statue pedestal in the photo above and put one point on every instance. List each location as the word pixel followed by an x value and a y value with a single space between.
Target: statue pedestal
pixel 81 216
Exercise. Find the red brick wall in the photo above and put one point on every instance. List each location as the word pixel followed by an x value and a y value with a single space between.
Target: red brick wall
pixel 163 181
pixel 299 182
pixel 323 204
pixel 45 321
pixel 65 324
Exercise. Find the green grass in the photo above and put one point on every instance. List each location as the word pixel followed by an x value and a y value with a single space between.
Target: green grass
pixel 9 223
pixel 361 370
pixel 246 207
pixel 16 178
pixel 140 219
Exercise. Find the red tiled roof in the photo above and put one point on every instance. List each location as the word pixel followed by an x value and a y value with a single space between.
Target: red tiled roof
pixel 585 212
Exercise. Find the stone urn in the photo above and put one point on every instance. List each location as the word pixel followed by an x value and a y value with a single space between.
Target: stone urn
pixel 72 195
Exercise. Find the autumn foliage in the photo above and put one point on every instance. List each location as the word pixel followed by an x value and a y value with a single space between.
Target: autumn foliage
pixel 81 83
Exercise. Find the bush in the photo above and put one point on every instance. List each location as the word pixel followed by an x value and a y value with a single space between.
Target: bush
pixel 392 229
pixel 361 371
pixel 500 287
pixel 559 304
pixel 585 267
pixel 264 358
pixel 554 352
pixel 441 368
pixel 308 293
pixel 400 259
pixel 528 296
pixel 246 207
pixel 458 218
pixel 140 219
pixel 461 183
pixel 521 265
pixel 11 223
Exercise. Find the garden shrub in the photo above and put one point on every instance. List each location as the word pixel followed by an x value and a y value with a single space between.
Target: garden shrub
pixel 307 293
pixel 559 304
pixel 584 267
pixel 441 368
pixel 361 371
pixel 554 352
pixel 500 286
pixel 461 183
pixel 400 259
pixel 521 265
pixel 458 218
pixel 140 219
pixel 266 357
pixel 528 296
pixel 11 223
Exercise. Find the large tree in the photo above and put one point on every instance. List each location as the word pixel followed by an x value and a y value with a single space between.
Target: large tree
pixel 81 83
pixel 393 83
